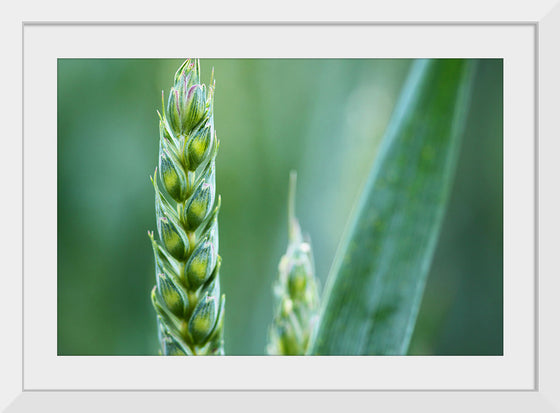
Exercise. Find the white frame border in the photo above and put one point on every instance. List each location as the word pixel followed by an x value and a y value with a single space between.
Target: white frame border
pixel 545 396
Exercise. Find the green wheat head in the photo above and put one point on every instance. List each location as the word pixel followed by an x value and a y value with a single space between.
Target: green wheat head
pixel 297 297
pixel 186 297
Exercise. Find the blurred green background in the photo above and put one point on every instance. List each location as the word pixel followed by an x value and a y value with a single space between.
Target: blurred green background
pixel 324 118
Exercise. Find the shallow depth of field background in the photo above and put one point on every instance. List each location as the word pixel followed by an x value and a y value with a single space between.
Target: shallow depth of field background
pixel 324 118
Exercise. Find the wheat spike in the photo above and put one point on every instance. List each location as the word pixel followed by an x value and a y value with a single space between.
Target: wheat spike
pixel 186 297
pixel 296 293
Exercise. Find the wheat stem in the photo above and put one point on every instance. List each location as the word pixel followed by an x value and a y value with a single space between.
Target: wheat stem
pixel 186 297
pixel 296 293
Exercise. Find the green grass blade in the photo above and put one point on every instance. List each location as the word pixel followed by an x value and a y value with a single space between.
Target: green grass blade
pixel 378 276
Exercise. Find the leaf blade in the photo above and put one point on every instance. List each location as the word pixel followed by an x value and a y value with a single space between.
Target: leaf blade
pixel 377 280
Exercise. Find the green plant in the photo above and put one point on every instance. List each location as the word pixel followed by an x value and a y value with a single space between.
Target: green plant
pixel 297 297
pixel 187 299
pixel 376 283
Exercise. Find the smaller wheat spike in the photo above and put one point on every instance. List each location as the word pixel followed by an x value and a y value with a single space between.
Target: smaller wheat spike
pixel 296 293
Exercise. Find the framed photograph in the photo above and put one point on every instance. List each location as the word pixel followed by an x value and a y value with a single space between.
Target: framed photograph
pixel 320 98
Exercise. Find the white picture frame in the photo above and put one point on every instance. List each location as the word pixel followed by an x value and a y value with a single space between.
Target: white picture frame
pixel 36 382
